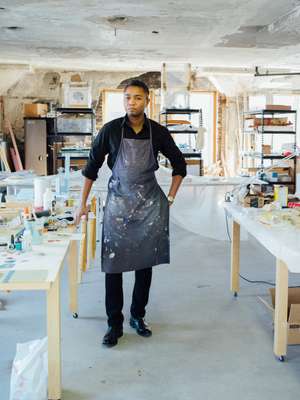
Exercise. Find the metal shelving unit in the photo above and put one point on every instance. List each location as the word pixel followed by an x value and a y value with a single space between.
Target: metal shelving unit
pixel 258 134
pixel 71 122
pixel 190 155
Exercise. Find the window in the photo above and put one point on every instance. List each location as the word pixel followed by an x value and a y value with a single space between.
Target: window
pixel 287 100
pixel 294 102
pixel 257 102
pixel 113 108
pixel 113 104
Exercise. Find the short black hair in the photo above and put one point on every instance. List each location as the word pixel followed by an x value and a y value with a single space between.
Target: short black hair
pixel 138 83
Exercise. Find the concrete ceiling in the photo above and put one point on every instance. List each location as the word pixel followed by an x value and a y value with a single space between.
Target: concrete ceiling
pixel 110 35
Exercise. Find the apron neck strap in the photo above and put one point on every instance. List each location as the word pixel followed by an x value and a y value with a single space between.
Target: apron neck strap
pixel 123 123
pixel 150 129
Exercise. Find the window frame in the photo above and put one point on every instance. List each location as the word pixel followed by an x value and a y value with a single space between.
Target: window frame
pixel 104 92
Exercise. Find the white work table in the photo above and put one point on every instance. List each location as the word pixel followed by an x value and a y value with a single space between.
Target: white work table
pixel 40 269
pixel 198 195
pixel 281 241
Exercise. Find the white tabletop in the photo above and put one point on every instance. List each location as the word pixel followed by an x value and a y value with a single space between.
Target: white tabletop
pixel 37 268
pixel 282 241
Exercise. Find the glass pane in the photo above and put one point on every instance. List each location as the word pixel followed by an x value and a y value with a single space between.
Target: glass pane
pixel 257 102
pixel 114 107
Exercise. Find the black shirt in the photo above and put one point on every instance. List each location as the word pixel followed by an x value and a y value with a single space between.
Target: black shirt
pixel 109 138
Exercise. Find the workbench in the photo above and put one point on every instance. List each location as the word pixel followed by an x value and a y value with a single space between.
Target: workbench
pixel 284 243
pixel 40 269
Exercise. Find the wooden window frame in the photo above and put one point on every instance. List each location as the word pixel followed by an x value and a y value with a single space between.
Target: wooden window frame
pixel 105 91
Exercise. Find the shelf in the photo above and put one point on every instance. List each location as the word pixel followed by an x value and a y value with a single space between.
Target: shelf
pixel 74 156
pixel 188 123
pixel 260 112
pixel 179 111
pixel 279 183
pixel 43 118
pixel 270 132
pixel 191 155
pixel 278 132
pixel 268 156
pixel 73 134
pixel 276 157
pixel 184 132
pixel 75 110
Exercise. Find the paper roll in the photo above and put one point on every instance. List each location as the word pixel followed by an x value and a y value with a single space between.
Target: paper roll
pixel 40 186
pixel 200 138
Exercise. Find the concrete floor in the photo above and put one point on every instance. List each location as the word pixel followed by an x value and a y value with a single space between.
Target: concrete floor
pixel 205 343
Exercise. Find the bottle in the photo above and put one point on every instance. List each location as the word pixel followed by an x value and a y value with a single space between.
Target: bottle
pixel 12 243
pixel 59 182
pixel 26 213
pixel 27 240
pixel 37 231
pixel 47 199
pixel 53 207
pixel 18 245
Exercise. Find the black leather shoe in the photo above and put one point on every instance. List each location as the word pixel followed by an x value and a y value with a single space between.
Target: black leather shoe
pixel 112 335
pixel 140 326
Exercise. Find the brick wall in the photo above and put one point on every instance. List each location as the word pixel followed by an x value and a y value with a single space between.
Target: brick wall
pixel 221 134
pixel 99 112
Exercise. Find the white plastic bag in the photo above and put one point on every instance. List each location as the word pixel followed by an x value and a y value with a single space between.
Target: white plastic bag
pixel 29 377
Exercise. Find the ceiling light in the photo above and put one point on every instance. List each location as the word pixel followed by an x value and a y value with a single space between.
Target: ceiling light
pixel 14 28
pixel 117 19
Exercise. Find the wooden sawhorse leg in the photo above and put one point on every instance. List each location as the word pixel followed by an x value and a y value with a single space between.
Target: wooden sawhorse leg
pixel 281 310
pixel 235 258
pixel 73 278
pixel 54 350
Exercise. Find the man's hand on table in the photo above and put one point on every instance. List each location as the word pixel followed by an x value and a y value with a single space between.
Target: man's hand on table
pixel 82 210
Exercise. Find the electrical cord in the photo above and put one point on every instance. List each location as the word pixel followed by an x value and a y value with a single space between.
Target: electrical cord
pixel 241 276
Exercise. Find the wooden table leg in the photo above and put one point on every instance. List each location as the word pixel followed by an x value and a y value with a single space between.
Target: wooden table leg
pixel 89 261
pixel 281 310
pixel 54 350
pixel 235 258
pixel 73 278
pixel 79 272
pixel 83 245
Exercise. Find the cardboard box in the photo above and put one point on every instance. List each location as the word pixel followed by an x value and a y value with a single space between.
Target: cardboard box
pixel 270 122
pixel 282 171
pixel 278 107
pixel 252 200
pixel 266 149
pixel 293 319
pixel 35 110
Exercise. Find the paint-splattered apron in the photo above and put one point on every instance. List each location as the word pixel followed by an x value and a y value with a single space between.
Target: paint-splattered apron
pixel 136 218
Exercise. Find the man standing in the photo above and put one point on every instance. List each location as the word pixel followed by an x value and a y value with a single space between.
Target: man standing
pixel 135 234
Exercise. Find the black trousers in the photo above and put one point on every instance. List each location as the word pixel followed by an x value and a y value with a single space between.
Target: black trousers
pixel 114 296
